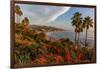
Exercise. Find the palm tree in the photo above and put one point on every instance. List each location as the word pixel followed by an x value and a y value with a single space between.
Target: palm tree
pixel 87 23
pixel 76 22
pixel 18 12
pixel 25 21
pixel 80 29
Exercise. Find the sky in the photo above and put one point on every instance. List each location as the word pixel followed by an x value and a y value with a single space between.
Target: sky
pixel 55 16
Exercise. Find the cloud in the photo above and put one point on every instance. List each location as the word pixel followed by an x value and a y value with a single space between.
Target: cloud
pixel 43 14
pixel 50 13
pixel 57 13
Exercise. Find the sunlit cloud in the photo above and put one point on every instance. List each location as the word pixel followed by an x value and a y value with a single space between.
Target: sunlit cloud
pixel 56 13
pixel 42 14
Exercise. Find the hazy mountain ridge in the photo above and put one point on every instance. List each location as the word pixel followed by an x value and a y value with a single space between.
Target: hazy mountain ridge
pixel 45 28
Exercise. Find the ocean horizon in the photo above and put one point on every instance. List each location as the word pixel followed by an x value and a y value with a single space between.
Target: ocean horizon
pixel 71 35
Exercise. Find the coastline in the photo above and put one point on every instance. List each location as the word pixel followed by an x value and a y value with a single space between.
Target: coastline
pixel 57 35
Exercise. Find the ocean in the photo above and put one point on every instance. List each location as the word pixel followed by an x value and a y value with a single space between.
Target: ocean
pixel 71 36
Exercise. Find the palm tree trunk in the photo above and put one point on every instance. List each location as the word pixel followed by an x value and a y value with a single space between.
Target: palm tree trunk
pixel 17 18
pixel 75 37
pixel 78 38
pixel 86 38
